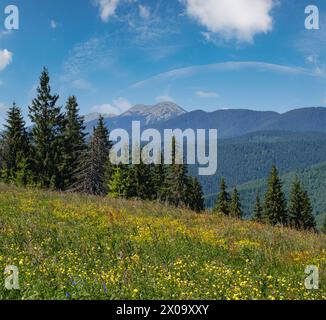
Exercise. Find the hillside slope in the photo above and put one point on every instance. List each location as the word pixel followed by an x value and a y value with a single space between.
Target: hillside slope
pixel 77 247
pixel 251 157
pixel 313 179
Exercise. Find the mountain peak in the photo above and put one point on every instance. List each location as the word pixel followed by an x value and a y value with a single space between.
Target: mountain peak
pixel 162 111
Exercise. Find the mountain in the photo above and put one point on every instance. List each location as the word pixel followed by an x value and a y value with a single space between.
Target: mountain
pixel 147 116
pixel 229 123
pixel 234 123
pixel 152 114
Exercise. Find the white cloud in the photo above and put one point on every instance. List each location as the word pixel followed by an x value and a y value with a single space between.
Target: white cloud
pixel 5 58
pixel 233 19
pixel 165 98
pixel 118 107
pixel 225 66
pixel 207 94
pixel 107 8
pixel 53 24
pixel 144 12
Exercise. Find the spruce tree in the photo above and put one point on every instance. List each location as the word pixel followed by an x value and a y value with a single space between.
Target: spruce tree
pixel 47 137
pixel 74 140
pixel 296 205
pixel 103 134
pixel 223 200
pixel 176 181
pixel 308 218
pixel 300 210
pixel 158 180
pixel 15 151
pixel 91 176
pixel 119 183
pixel 196 200
pixel 235 208
pixel 258 210
pixel 275 205
pixel 141 181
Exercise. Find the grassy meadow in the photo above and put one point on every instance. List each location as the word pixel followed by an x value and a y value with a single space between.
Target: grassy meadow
pixel 78 247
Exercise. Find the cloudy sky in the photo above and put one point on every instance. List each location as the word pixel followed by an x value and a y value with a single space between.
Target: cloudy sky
pixel 202 54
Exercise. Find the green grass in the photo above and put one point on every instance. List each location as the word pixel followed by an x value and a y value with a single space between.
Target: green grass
pixel 77 247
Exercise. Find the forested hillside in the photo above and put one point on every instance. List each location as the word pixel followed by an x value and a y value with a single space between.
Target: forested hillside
pixel 313 180
pixel 250 157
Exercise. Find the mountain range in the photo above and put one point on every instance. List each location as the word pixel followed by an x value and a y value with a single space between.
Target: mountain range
pixel 250 142
pixel 230 123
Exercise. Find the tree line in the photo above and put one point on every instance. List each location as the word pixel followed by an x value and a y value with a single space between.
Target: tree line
pixel 297 213
pixel 55 153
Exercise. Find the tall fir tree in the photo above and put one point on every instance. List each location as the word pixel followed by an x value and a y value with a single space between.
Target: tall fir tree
pixel 74 141
pixel 196 197
pixel 308 218
pixel 176 181
pixel 158 180
pixel 275 204
pixel 91 176
pixel 102 132
pixel 300 211
pixel 141 181
pixel 47 135
pixel 296 205
pixel 15 164
pixel 223 200
pixel 235 207
pixel 119 184
pixel 258 210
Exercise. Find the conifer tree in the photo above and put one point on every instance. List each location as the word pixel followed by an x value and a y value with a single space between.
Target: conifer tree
pixel 196 197
pixel 258 210
pixel 275 205
pixel 300 211
pixel 74 140
pixel 223 200
pixel 296 205
pixel 90 176
pixel 158 180
pixel 119 183
pixel 235 209
pixel 141 177
pixel 15 164
pixel 176 181
pixel 104 135
pixel 308 219
pixel 47 135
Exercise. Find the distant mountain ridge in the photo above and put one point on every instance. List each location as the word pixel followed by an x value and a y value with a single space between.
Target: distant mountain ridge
pixel 148 115
pixel 229 123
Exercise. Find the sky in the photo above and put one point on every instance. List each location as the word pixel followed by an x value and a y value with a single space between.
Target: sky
pixel 200 54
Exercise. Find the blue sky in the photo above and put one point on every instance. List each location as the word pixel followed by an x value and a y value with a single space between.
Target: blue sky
pixel 202 54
